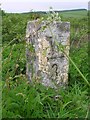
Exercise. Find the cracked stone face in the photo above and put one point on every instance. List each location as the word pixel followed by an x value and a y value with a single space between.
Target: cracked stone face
pixel 44 60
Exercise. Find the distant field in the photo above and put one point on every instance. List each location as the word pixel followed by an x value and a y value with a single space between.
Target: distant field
pixel 78 14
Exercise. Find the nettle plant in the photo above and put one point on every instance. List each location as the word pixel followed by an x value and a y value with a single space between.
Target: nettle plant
pixel 55 17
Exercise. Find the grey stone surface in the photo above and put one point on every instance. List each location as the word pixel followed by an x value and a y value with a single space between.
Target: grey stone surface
pixel 44 62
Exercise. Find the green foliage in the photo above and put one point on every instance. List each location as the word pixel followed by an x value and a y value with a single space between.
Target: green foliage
pixel 75 14
pixel 20 99
pixel 13 61
pixel 26 101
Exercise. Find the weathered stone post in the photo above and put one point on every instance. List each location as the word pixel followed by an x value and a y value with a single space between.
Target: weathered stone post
pixel 44 62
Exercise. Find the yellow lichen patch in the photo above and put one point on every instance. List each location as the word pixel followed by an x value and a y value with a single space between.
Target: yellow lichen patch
pixel 43 49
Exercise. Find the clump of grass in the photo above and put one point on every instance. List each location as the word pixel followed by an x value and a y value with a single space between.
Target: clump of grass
pixel 27 101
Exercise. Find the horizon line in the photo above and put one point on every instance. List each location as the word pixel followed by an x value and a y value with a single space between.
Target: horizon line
pixel 58 10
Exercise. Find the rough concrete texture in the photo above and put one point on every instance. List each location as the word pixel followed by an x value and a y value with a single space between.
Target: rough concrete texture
pixel 45 62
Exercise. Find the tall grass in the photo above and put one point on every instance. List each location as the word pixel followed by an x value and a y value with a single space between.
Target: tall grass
pixel 22 100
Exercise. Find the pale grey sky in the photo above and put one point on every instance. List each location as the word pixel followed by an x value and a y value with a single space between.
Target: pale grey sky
pixel 27 5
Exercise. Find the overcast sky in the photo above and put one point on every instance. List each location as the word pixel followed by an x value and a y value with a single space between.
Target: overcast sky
pixel 44 5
